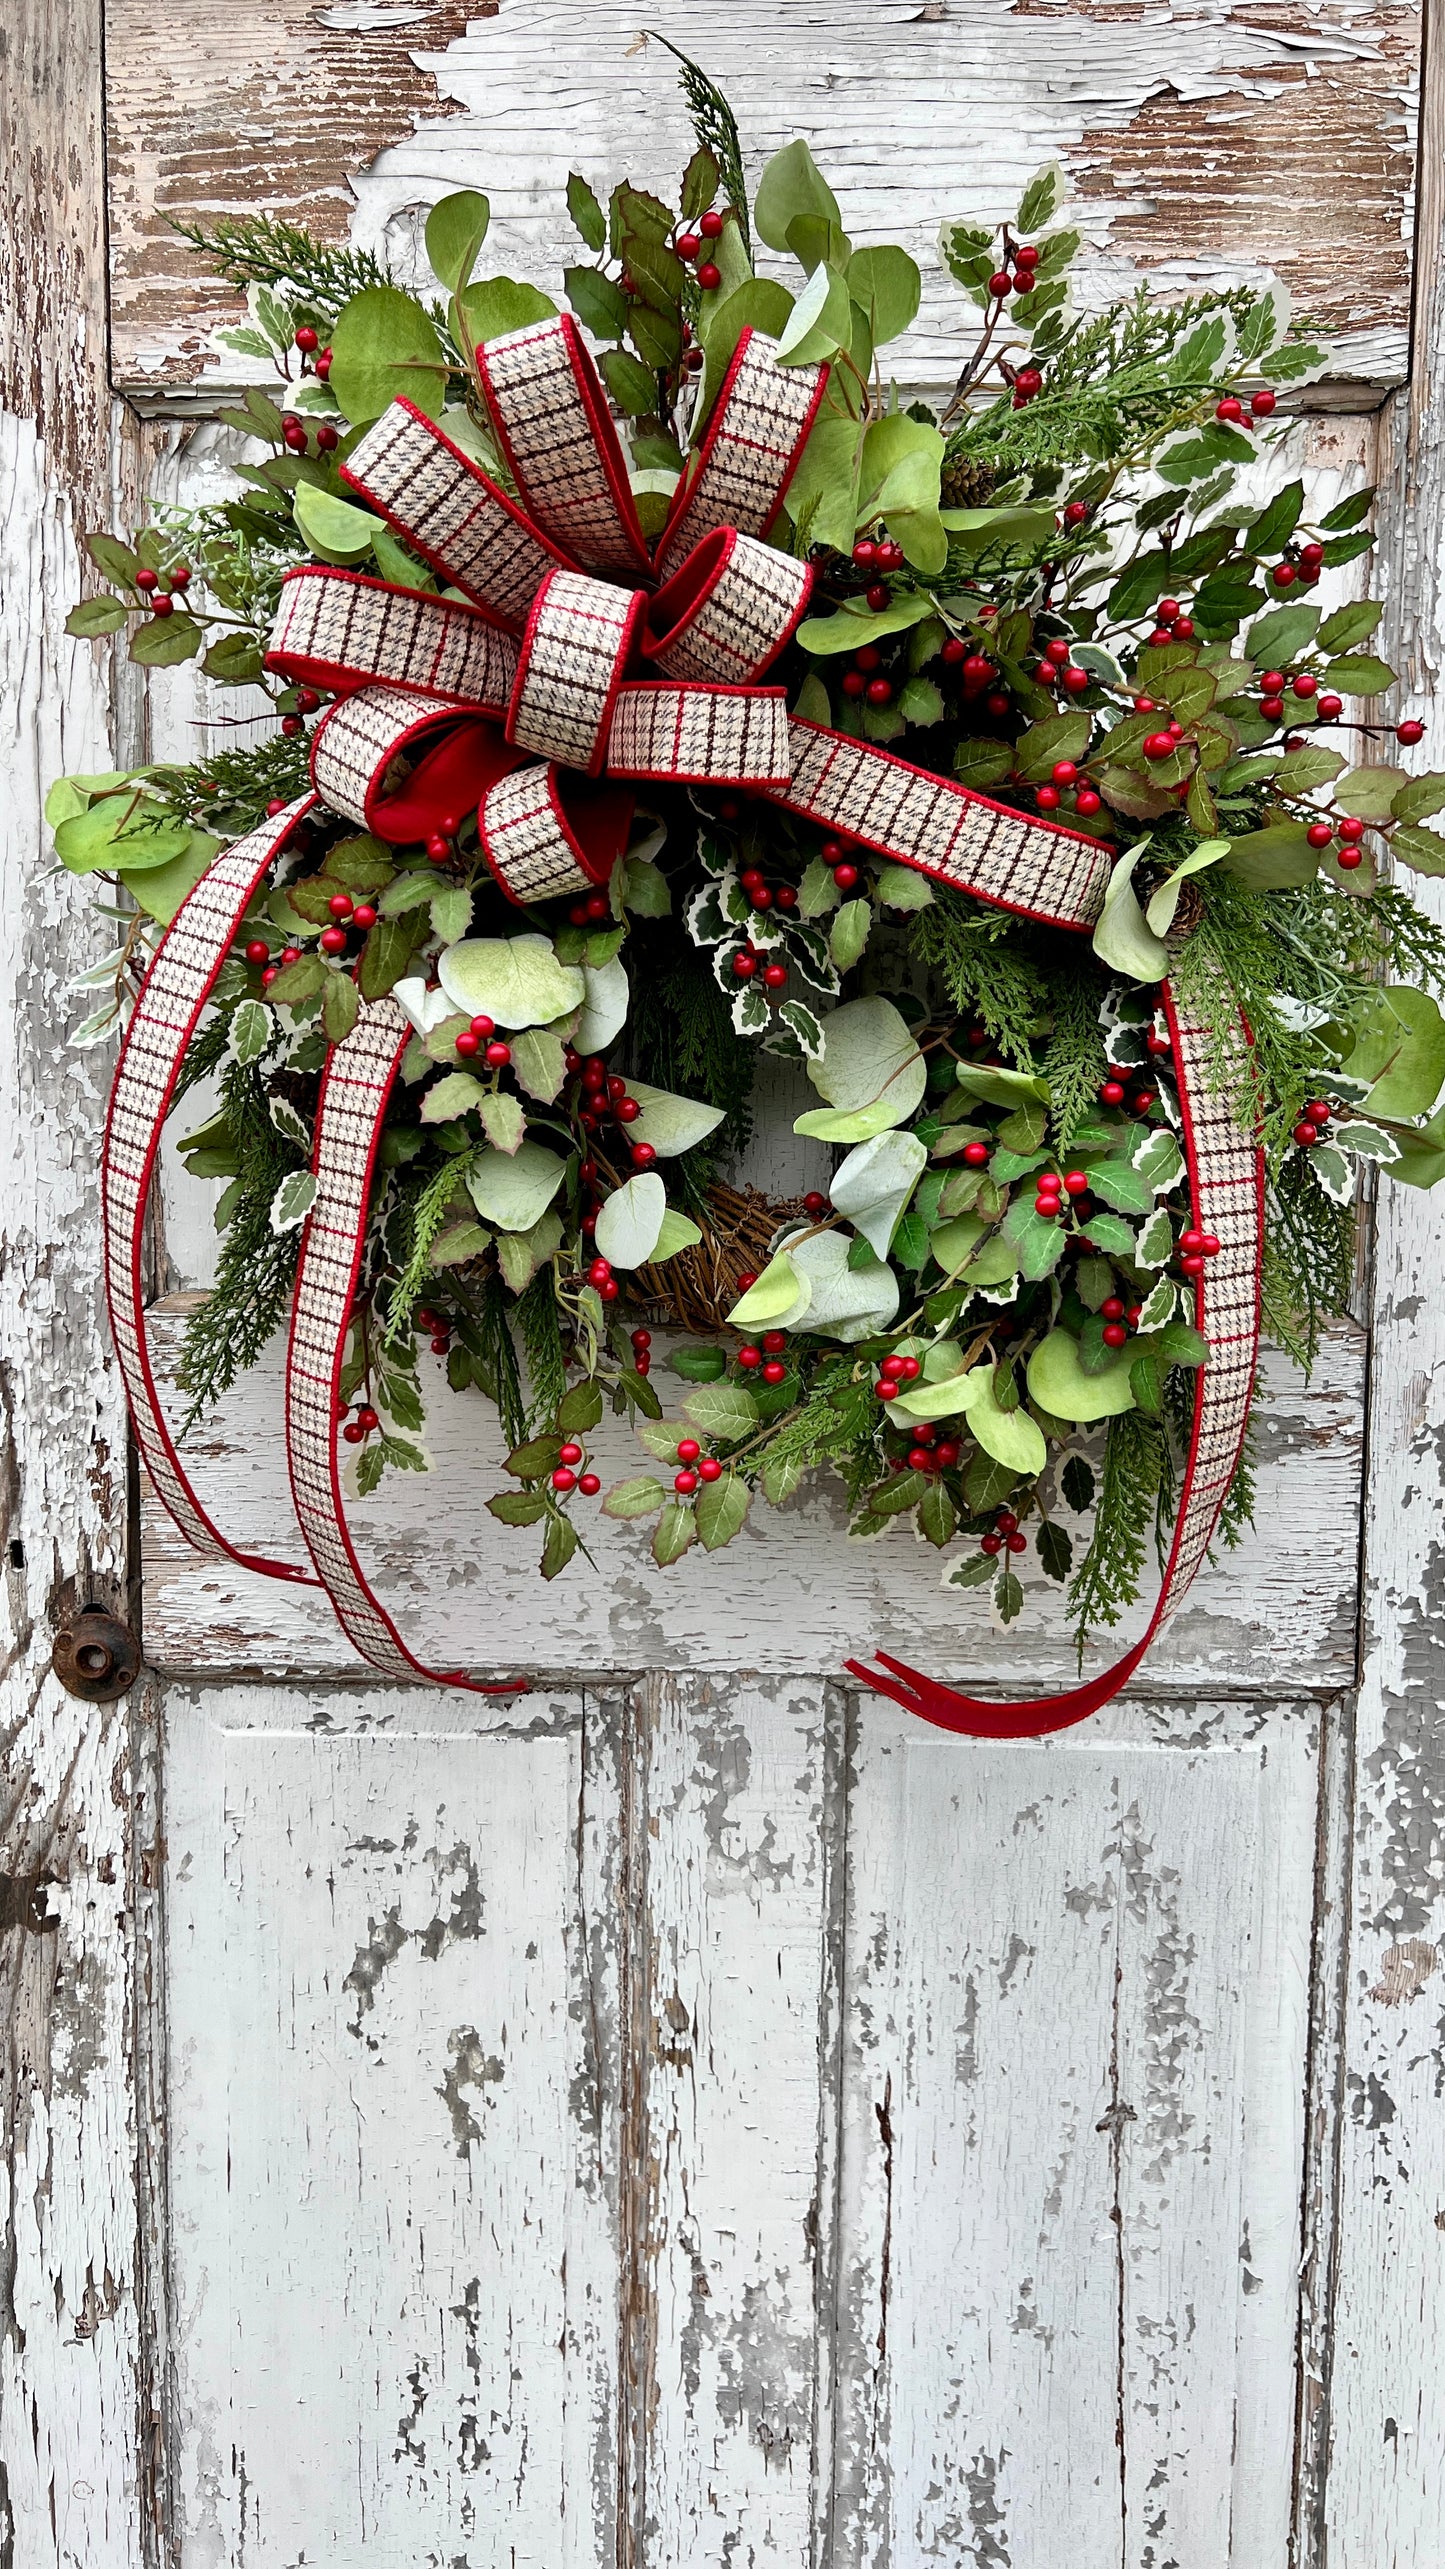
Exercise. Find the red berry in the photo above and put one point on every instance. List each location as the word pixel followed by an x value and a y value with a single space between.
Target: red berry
pixel 438 848
pixel 269 975
pixel 865 553
pixel 366 1418
pixel 1305 1133
pixel 684 1483
pixel 1005 1520
pixel 439 1344
pixel 1229 408
pixel 1159 744
pixel 589 1485
pixel 774 1341
pixel 163 606
pixel 1047 1207
pixel 688 245
pixel 885 1391
pixel 599 1271
pixel 991 1544
pixel 1075 513
pixel 997 706
pixel 1407 732
pixel 1000 283
pixel 744 966
pixel 642 1154
pixel 954 650
pixel 307 340
pixel 1262 403
pixel 258 951
pixel 1027 257
pixel 571 1453
pixel 1351 831
pixel 786 896
pixel 1113 1309
pixel 497 1056
pixel 746 1280
pixel 711 226
pixel 749 1356
pixel 774 975
pixel 773 1372
pixel 1065 772
pixel 1115 1334
pixel 1058 651
pixel 1018 1542
pixel 1272 708
pixel 146 579
pixel 341 905
pixel 688 1449
pixel 1305 685
pixel 627 1109
pixel 1047 798
pixel 911 1369
pixel 354 1434
pixel 1319 834
pixel 363 916
pixel 323 364
pixel 708 276
pixel 1112 1093
pixel 814 1203
pixel 877 598
pixel 880 691
pixel 709 1469
pixel 273 807
pixel 976 1154
pixel 845 876
pixel 333 941
pixel 641 1338
pixel 290 954
pixel 1087 802
pixel 468 1043
pixel 854 683
pixel 977 670
pixel 919 1458
pixel 1349 857
pixel 328 437
pixel 1330 708
pixel 1076 1182
pixel 1318 1113
pixel 1284 575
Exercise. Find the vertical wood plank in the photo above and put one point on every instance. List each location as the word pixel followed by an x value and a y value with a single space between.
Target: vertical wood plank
pixel 71 2328
pixel 728 2143
pixel 395 2257
pixel 1073 2108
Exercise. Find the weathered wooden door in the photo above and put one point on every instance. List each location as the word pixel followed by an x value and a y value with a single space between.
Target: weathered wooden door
pixel 690 2116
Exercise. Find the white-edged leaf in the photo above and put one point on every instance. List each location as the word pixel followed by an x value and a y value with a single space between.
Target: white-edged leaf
pixel 251 1029
pixel 293 1200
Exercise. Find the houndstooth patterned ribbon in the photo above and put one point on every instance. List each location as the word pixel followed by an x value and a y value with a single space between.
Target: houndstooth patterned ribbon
pixel 563 673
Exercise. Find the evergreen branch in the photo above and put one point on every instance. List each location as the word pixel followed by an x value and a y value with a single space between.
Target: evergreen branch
pixel 537 1318
pixel 261 249
pixel 1107 1579
pixel 716 128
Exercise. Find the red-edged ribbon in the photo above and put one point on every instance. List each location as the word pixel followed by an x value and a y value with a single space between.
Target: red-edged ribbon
pixel 573 665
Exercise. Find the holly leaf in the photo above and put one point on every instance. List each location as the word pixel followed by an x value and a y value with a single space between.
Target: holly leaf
pixel 676 1532
pixel 721 1507
pixel 639 1497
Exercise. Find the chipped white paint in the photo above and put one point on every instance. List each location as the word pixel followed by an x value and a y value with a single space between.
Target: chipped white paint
pixel 1385 2493
pixel 1075 2045
pixel 789 1594
pixel 392 2258
pixel 915 112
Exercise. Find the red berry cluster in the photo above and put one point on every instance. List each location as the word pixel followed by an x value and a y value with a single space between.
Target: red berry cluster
pixel 438 1328
pixel 873 554
pixel 696 1466
pixel 642 1352
pixel 1007 1535
pixel 1311 1126
pixel 928 1452
pixel 893 1373
pixel 358 1425
pixel 591 912
pixel 296 437
pixel 1232 410
pixel 441 844
pixel 692 246
pixel 1065 778
pixel 1022 261
pixel 840 854
pixel 1348 832
pixel 1171 623
pixel 315 359
pixel 566 1476
pixel 1114 1091
pixel 1195 1247
pixel 346 914
pixel 1055 669
pixel 603 1099
pixel 481 1037
pixel 861 679
pixel 765 1359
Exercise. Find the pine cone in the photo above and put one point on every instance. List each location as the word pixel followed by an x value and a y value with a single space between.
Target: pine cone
pixel 1188 914
pixel 967 484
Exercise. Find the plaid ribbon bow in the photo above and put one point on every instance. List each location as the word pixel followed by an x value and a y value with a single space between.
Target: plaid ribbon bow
pixel 574 663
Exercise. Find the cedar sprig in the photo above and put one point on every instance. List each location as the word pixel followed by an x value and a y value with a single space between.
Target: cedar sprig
pixel 264 249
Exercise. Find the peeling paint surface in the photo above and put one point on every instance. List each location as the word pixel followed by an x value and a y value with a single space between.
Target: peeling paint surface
pixel 1186 127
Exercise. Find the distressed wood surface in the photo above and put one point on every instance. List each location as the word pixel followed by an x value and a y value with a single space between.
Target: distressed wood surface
pixel 788 1594
pixel 77 1856
pixel 1377 2414
pixel 1201 138
pixel 1073 2107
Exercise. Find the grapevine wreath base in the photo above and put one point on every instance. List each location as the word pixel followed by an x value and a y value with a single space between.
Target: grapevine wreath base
pixel 628 762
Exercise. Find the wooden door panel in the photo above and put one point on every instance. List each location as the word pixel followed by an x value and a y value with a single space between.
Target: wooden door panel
pixel 393 2264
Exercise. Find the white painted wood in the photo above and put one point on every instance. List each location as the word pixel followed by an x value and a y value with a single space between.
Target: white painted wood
pixel 789 1594
pixel 76 2481
pixel 1188 130
pixel 1385 2494
pixel 1076 2035
pixel 740 1820
pixel 393 2256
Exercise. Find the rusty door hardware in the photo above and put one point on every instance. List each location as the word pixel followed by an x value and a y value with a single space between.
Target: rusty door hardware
pixel 96 1656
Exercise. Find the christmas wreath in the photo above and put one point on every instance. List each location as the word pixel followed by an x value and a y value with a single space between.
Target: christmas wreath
pixel 643 711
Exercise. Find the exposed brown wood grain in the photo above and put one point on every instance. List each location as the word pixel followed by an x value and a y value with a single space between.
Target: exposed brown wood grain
pixel 266 105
